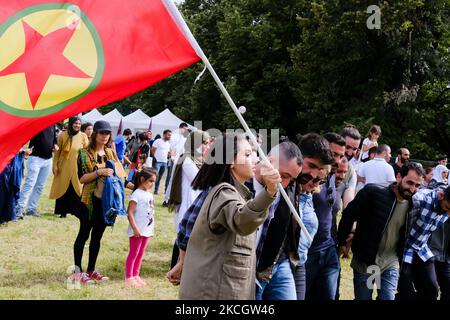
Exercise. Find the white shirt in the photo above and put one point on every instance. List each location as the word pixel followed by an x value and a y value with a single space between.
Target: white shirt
pixel 162 149
pixel 177 142
pixel 143 215
pixel 377 171
pixel 188 195
pixel 354 162
pixel 365 154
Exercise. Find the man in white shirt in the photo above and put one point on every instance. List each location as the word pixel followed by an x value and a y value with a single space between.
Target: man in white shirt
pixel 378 170
pixel 161 153
pixel 177 142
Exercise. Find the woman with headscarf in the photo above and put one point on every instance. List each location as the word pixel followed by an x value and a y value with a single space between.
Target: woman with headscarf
pixel 181 193
pixel 66 187
pixel 440 176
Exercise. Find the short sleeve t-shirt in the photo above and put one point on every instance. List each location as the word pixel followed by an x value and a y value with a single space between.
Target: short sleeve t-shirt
pixel 377 171
pixel 366 142
pixel 162 149
pixel 120 146
pixel 143 214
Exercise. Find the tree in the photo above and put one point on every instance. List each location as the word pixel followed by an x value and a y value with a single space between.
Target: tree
pixel 306 66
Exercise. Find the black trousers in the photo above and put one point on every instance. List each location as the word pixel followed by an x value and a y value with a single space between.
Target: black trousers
pixel 443 278
pixel 70 202
pixel 418 281
pixel 94 228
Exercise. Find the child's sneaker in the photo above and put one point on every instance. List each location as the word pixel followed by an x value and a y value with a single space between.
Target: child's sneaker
pixel 94 275
pixel 83 278
pixel 140 281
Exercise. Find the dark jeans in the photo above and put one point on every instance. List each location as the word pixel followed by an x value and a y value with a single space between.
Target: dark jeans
pixel 443 278
pixel 322 271
pixel 300 281
pixel 97 226
pixel 418 281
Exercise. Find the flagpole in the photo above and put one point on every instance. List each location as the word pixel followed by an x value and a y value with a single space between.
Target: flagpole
pixel 176 15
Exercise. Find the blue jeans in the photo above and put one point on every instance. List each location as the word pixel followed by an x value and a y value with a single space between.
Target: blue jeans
pixel 322 271
pixel 386 291
pixel 160 167
pixel 281 286
pixel 170 167
pixel 38 170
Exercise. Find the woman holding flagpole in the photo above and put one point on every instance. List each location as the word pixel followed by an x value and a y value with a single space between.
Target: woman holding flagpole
pixel 220 259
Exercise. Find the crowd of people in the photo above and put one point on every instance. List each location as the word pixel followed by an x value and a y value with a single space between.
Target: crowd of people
pixel 236 235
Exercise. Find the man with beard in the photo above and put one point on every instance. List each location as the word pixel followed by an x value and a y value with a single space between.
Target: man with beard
pixel 340 174
pixel 381 214
pixel 402 158
pixel 322 265
pixel 352 139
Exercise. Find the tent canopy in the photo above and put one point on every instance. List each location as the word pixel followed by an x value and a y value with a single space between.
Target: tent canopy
pixel 91 116
pixel 166 120
pixel 113 117
pixel 139 121
pixel 136 121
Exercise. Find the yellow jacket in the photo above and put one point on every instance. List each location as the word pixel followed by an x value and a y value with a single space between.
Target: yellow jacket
pixel 65 161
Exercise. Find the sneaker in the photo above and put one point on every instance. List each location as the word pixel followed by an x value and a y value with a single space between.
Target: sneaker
pixel 94 275
pixel 83 278
pixel 165 204
pixel 19 214
pixel 33 214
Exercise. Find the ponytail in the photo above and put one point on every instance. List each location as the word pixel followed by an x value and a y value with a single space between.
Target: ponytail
pixel 145 173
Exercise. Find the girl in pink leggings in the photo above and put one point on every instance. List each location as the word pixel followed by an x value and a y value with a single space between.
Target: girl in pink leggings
pixel 141 228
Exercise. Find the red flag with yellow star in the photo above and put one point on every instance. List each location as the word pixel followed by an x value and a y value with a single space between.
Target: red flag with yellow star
pixel 60 58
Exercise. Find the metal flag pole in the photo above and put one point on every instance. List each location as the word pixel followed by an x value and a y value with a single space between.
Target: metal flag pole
pixel 176 15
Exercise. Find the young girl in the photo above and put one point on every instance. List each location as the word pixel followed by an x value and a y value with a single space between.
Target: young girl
pixel 370 141
pixel 129 182
pixel 140 216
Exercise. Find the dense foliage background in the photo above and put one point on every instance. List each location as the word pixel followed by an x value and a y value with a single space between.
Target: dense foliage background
pixel 305 66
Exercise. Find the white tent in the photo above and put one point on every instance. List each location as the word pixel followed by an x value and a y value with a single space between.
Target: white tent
pixel 166 120
pixel 136 121
pixel 113 117
pixel 91 116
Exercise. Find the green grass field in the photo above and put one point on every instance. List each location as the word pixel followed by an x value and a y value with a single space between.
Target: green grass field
pixel 36 254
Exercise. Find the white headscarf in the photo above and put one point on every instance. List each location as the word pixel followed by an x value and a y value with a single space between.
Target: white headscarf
pixel 437 173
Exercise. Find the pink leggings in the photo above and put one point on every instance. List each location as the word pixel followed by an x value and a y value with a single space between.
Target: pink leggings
pixel 134 259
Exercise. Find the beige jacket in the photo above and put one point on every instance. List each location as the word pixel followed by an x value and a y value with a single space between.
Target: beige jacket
pixel 220 260
pixel 66 162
